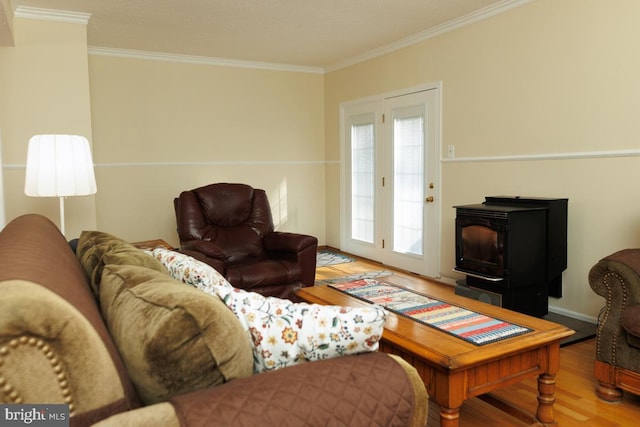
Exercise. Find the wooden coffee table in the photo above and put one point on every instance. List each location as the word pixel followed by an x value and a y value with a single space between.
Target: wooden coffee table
pixel 454 370
pixel 152 244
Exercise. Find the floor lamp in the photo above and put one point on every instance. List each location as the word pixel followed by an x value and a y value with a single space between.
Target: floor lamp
pixel 59 166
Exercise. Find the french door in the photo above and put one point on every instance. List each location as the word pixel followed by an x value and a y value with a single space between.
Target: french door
pixel 390 176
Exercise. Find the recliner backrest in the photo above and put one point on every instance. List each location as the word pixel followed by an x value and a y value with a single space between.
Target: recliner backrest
pixel 233 216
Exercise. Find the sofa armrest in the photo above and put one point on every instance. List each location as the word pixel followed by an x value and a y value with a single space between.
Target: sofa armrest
pixel 50 353
pixel 361 390
pixel 367 389
pixel 617 279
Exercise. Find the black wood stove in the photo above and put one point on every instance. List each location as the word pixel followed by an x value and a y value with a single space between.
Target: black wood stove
pixel 513 251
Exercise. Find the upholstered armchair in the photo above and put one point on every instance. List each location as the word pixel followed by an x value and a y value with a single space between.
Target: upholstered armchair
pixel 617 365
pixel 229 226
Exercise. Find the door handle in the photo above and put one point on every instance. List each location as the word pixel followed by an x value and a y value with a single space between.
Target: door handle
pixel 429 199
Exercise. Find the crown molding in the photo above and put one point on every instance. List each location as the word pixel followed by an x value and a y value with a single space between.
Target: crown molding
pixel 203 60
pixel 83 18
pixel 463 21
pixel 40 14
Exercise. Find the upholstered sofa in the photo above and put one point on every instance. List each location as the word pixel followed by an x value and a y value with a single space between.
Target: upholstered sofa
pixel 230 227
pixel 107 331
pixel 617 366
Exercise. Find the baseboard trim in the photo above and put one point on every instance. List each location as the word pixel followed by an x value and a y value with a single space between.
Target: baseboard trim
pixel 574 314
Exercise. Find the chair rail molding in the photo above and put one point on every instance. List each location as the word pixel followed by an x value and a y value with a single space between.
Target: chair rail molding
pixel 546 156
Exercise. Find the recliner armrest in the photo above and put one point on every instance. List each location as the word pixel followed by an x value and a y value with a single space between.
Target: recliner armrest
pixel 217 264
pixel 295 247
pixel 279 241
pixel 206 247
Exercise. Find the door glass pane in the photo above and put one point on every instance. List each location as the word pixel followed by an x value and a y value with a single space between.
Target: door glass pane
pixel 362 182
pixel 408 187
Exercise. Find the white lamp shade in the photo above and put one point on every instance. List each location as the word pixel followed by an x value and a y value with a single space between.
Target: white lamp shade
pixel 59 166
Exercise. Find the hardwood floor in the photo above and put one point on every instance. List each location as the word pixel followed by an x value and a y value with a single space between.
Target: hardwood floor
pixel 576 401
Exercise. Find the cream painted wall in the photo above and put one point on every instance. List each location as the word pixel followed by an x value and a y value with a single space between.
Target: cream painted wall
pixel 547 78
pixel 44 88
pixel 160 128
pixel 553 78
pixel 163 127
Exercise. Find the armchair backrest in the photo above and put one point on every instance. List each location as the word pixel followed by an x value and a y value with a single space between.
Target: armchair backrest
pixel 235 217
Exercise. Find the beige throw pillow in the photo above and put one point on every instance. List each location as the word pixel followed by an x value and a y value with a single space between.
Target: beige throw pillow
pixel 96 249
pixel 173 339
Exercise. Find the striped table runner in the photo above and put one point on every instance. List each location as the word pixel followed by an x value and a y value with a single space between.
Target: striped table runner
pixel 460 322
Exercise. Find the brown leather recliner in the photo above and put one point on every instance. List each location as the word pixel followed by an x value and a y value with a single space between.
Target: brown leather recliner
pixel 229 226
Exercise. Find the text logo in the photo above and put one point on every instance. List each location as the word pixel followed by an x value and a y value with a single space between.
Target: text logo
pixel 53 415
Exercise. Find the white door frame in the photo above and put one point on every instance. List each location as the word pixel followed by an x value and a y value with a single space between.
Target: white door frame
pixel 433 224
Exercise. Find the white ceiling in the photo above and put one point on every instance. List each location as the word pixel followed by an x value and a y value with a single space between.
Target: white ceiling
pixel 309 33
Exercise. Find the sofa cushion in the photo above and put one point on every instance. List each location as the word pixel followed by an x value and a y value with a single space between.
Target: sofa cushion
pixel 173 339
pixel 267 272
pixel 284 333
pixel 238 243
pixel 631 323
pixel 631 320
pixel 96 249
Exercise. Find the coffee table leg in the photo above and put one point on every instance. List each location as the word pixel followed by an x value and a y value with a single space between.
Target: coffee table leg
pixel 546 398
pixel 449 417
